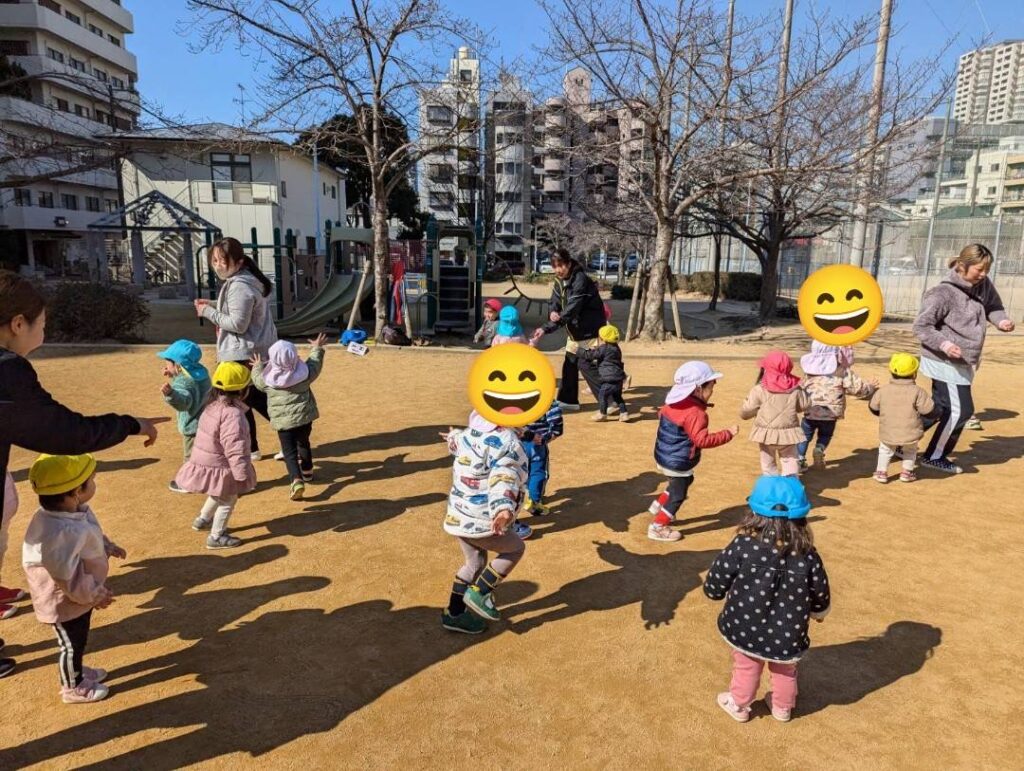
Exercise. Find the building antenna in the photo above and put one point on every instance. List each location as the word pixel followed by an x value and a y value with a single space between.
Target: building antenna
pixel 241 100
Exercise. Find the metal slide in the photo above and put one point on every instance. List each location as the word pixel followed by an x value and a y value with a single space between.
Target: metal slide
pixel 334 300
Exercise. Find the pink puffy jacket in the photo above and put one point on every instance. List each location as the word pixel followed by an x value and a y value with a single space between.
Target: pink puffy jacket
pixel 220 463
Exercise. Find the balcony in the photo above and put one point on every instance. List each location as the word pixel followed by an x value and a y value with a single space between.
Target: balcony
pixel 31 16
pixel 1014 175
pixel 80 82
pixel 554 207
pixel 554 185
pixel 46 118
pixel 554 164
pixel 112 11
pixel 235 193
pixel 40 218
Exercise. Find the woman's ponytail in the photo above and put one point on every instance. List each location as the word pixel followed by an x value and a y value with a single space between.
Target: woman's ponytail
pixel 252 267
pixel 233 252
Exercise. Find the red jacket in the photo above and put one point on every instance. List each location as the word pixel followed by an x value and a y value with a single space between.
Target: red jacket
pixel 683 433
pixel 691 414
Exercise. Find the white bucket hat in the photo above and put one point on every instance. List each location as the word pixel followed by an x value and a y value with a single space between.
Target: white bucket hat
pixel 688 378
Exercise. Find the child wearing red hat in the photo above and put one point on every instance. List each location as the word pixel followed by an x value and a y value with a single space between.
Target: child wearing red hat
pixel 486 332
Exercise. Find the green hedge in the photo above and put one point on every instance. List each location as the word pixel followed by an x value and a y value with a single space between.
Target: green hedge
pixel 745 287
pixel 84 312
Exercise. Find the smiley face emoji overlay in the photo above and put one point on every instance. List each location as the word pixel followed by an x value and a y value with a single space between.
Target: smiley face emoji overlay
pixel 511 384
pixel 840 305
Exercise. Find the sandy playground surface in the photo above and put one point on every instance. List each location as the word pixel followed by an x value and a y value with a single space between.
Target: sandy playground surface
pixel 317 644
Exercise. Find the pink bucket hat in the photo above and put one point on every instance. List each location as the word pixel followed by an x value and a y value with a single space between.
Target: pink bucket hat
pixel 688 378
pixel 285 368
pixel 822 360
pixel 478 422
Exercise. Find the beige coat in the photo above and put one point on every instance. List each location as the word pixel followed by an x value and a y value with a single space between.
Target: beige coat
pixel 776 416
pixel 899 405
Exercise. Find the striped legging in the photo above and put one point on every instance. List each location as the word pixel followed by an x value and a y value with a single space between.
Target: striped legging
pixel 955 407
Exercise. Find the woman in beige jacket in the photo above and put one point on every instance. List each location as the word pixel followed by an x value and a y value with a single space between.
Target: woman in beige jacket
pixel 775 404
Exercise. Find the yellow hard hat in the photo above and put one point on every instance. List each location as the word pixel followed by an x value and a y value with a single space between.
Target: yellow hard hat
pixel 58 474
pixel 609 333
pixel 903 364
pixel 230 376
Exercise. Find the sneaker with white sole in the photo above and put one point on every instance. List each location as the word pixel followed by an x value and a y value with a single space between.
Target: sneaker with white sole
pixel 566 407
pixel 482 604
pixel 7 666
pixel 11 595
pixel 465 622
pixel 174 487
pixel 255 455
pixel 222 541
pixel 624 417
pixel 6 611
pixel 307 476
pixel 780 714
pixel 523 531
pixel 658 532
pixel 908 476
pixel 732 709
pixel 599 417
pixel 298 490
pixel 881 477
pixel 973 424
pixel 943 465
pixel 96 675
pixel 201 524
pixel 278 456
pixel 84 693
pixel 819 455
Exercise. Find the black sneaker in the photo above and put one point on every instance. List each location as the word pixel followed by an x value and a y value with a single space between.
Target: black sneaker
pixel 6 667
pixel 943 465
pixel 173 487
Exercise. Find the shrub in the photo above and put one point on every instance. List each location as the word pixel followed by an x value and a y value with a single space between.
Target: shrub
pixel 735 286
pixel 622 292
pixel 84 312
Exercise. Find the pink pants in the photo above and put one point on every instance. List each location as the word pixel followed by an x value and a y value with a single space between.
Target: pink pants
pixel 787 459
pixel 746 676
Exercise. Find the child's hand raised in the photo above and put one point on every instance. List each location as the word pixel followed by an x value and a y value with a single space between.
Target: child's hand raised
pixel 734 430
pixel 255 361
pixel 318 341
pixel 166 389
pixel 116 551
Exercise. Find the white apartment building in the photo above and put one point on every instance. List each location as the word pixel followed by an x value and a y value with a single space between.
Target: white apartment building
pixel 509 143
pixel 994 178
pixel 990 84
pixel 236 181
pixel 448 180
pixel 82 84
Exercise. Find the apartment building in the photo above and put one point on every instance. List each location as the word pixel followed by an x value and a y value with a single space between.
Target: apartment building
pixel 82 84
pixel 994 178
pixel 508 136
pixel 990 84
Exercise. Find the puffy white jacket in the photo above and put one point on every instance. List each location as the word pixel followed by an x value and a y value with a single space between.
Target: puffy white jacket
pixel 488 476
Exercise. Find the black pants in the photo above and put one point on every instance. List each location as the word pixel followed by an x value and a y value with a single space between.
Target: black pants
pixel 298 454
pixel 72 637
pixel 256 400
pixel 610 393
pixel 678 487
pixel 569 388
pixel 955 407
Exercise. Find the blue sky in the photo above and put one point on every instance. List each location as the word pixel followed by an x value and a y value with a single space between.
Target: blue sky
pixel 203 86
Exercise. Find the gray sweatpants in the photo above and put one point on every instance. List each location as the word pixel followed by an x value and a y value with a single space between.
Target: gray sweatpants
pixel 509 548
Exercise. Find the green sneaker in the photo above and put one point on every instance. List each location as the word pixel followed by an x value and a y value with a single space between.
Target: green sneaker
pixel 465 622
pixel 482 604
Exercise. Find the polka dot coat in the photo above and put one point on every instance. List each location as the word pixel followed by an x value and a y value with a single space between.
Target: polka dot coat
pixel 769 598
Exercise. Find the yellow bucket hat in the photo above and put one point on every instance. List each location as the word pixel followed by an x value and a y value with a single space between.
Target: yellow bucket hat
pixel 230 376
pixel 903 364
pixel 59 474
pixel 609 333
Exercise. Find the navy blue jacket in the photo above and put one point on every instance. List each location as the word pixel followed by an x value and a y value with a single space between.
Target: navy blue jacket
pixel 683 433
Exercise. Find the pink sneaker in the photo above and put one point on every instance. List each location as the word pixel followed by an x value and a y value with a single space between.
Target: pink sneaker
pixel 8 596
pixel 908 476
pixel 881 477
pixel 732 709
pixel 780 714
pixel 84 693
pixel 658 532
pixel 96 675
pixel 6 611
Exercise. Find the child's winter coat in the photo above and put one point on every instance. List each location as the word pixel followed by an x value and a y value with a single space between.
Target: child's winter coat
pixel 294 406
pixel 827 394
pixel 682 434
pixel 776 415
pixel 220 463
pixel 187 398
pixel 548 427
pixel 900 405
pixel 608 358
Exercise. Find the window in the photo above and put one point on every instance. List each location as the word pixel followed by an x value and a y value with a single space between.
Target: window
pixel 81 111
pixel 92 203
pixel 46 200
pixel 466 76
pixel 994 167
pixel 73 18
pixel 95 30
pixel 232 177
pixel 102 117
pixel 68 201
pixel 51 5
pixel 14 47
pixel 57 56
pixel 22 196
pixel 115 40
pixel 76 64
pixel 101 76
pixel 284 189
pixel 325 188
pixel 992 191
pixel 62 105
pixel 111 205
pixel 117 82
pixel 439 114
pixel 334 192
pixel 440 200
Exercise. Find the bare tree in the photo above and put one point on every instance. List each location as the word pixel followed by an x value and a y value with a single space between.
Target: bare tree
pixel 365 58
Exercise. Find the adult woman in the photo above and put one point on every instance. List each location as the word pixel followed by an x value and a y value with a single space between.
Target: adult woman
pixel 243 317
pixel 951 328
pixel 575 305
pixel 31 418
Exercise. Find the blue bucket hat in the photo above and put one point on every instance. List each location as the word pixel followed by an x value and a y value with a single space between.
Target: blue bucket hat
pixel 186 355
pixel 508 322
pixel 779 497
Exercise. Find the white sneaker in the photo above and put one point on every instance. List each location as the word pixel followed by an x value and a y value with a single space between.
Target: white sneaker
pixel 86 692
pixel 255 456
pixel 658 532
pixel 278 456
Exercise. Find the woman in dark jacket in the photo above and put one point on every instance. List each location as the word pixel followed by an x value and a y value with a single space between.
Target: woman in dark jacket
pixel 575 305
pixel 29 416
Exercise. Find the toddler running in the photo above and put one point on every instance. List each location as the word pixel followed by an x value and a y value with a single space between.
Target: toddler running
pixel 901 406
pixel 536 438
pixel 775 403
pixel 607 358
pixel 186 391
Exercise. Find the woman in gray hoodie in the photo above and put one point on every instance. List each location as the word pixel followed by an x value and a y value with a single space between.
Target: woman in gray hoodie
pixel 243 317
pixel 951 326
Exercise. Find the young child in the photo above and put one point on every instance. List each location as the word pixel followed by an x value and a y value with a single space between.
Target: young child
pixel 682 434
pixel 220 466
pixel 830 378
pixel 901 406
pixel 186 391
pixel 485 334
pixel 287 381
pixel 488 475
pixel 775 403
pixel 535 438
pixel 773 582
pixel 607 356
pixel 508 328
pixel 66 556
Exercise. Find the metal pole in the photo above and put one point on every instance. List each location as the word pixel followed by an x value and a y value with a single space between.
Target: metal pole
pixel 867 175
pixel 995 246
pixel 316 195
pixel 935 198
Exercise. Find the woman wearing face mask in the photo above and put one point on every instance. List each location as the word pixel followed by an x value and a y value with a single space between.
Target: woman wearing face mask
pixel 951 326
pixel 31 418
pixel 243 316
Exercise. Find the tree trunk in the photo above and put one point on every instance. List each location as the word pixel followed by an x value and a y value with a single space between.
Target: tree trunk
pixel 717 273
pixel 620 279
pixel 654 301
pixel 634 302
pixel 769 283
pixel 381 258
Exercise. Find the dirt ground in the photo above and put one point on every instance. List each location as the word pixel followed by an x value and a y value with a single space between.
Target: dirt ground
pixel 317 644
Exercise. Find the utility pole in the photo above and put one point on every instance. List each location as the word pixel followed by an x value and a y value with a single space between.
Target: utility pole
pixel 867 173
pixel 240 101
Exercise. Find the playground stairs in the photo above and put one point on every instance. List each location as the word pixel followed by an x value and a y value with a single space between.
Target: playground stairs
pixel 454 295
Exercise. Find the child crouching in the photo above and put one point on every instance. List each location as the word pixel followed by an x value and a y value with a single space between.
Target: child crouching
pixel 901 406
pixel 773 582
pixel 186 390
pixel 66 560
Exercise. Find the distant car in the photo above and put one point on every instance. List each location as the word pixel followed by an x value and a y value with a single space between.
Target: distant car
pixel 544 266
pixel 609 264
